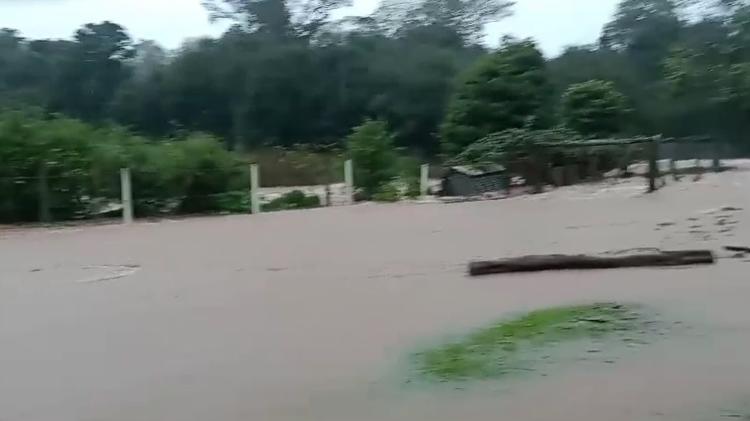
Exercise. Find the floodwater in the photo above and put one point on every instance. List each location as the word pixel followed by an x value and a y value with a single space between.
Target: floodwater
pixel 312 315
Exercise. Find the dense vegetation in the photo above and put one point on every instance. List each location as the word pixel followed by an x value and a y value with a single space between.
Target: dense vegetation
pixel 287 75
pixel 79 168
pixel 416 72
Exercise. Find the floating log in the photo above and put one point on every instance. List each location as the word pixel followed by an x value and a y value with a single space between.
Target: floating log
pixel 565 262
pixel 737 249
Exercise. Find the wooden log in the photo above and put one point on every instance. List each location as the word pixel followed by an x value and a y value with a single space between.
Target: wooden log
pixel 738 249
pixel 565 262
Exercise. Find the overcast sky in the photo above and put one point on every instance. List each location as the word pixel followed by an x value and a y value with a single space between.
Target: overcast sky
pixel 554 23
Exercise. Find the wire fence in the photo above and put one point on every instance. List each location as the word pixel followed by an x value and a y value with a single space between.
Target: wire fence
pixel 54 194
pixel 58 196
pixel 544 166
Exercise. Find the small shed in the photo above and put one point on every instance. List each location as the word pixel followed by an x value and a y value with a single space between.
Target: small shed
pixel 474 180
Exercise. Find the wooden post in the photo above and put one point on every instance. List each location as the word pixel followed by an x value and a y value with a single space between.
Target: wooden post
pixel 45 214
pixel 538 170
pixel 507 177
pixel 674 170
pixel 254 187
pixel 558 176
pixel 699 170
pixel 424 180
pixel 127 196
pixel 653 163
pixel 716 164
pixel 593 170
pixel 625 160
pixel 349 181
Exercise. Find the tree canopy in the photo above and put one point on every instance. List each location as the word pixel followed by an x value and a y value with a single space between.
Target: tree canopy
pixel 594 108
pixel 292 72
pixel 503 90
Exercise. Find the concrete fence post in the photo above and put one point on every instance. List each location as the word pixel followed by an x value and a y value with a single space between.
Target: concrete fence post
pixel 349 181
pixel 254 189
pixel 127 196
pixel 653 163
pixel 424 180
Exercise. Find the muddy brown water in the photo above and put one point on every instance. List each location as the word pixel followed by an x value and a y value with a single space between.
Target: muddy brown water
pixel 310 315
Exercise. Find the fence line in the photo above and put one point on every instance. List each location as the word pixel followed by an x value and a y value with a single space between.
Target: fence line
pixel 140 194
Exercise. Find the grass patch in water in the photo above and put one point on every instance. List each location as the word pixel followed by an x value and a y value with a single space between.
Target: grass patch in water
pixel 505 347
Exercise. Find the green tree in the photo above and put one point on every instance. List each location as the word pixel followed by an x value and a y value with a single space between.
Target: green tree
pixel 594 108
pixel 280 19
pixel 708 75
pixel 641 26
pixel 462 20
pixel 284 74
pixel 371 148
pixel 92 71
pixel 506 89
pixel 139 100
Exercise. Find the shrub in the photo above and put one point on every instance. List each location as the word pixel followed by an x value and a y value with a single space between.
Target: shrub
pixel 59 150
pixel 413 188
pixel 408 175
pixel 594 108
pixel 206 170
pixel 81 166
pixel 233 202
pixel 190 175
pixel 371 148
pixel 387 193
pixel 295 199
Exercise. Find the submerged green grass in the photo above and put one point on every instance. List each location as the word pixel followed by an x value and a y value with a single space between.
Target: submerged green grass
pixel 505 346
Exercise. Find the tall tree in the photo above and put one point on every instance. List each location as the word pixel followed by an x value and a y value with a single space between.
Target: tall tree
pixel 644 30
pixel 280 19
pixel 93 70
pixel 642 24
pixel 465 19
pixel 506 89
pixel 139 100
pixel 594 108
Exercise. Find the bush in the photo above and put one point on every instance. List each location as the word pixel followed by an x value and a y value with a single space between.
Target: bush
pixel 387 193
pixel 594 108
pixel 409 169
pixel 233 202
pixel 81 166
pixel 190 175
pixel 413 188
pixel 206 170
pixel 371 148
pixel 59 150
pixel 295 199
